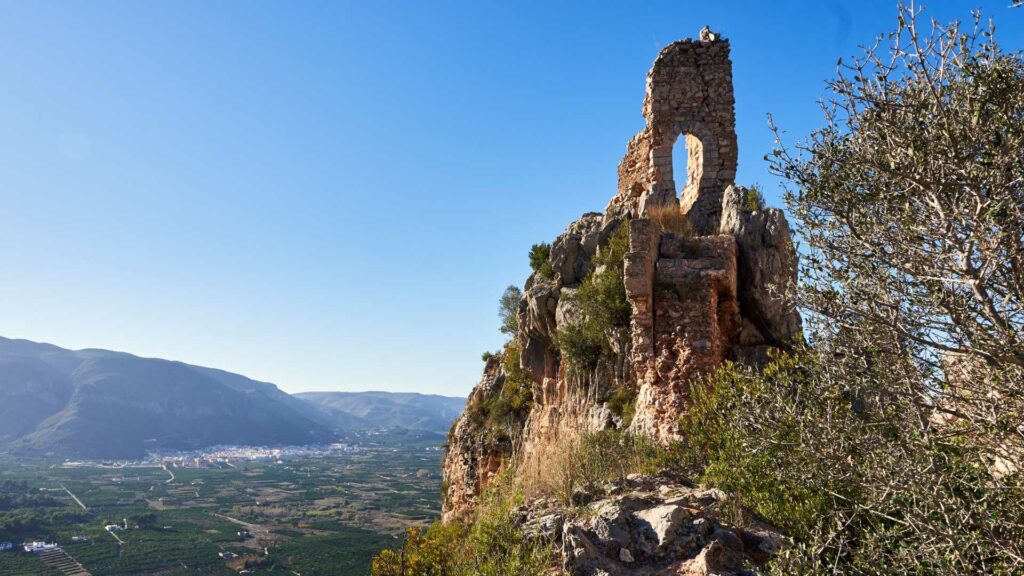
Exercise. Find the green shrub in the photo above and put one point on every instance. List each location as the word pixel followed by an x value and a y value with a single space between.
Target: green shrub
pixel 581 346
pixel 493 545
pixel 823 446
pixel 622 403
pixel 601 299
pixel 540 259
pixel 753 199
pixel 430 553
pixel 508 310
pixel 501 416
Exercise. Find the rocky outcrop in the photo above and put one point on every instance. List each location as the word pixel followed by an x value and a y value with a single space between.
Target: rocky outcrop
pixel 766 267
pixel 703 276
pixel 473 456
pixel 650 526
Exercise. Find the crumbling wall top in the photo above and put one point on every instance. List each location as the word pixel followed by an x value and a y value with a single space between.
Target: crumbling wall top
pixel 690 94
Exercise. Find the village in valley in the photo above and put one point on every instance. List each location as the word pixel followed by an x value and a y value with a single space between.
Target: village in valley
pixel 220 510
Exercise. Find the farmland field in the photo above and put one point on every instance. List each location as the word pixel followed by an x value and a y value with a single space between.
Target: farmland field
pixel 324 515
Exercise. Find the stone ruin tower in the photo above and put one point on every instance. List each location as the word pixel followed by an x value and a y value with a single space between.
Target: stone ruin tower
pixel 689 96
pixel 703 276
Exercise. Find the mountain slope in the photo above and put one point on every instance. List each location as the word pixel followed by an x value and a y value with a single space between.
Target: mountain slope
pixel 388 409
pixel 98 403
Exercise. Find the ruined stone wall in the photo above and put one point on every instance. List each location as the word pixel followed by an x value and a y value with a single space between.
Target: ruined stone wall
pixel 684 323
pixel 689 94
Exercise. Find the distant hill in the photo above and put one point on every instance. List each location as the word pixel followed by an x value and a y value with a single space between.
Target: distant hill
pixel 103 404
pixel 387 409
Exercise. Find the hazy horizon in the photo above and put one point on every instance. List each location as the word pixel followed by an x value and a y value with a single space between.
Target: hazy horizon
pixel 333 197
pixel 319 391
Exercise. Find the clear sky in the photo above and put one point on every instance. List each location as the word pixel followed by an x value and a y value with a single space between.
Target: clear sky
pixel 332 196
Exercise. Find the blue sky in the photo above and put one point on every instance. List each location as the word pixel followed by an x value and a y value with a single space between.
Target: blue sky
pixel 332 196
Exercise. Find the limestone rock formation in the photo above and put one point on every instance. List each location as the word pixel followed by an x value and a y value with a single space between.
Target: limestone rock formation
pixel 472 460
pixel 650 526
pixel 704 278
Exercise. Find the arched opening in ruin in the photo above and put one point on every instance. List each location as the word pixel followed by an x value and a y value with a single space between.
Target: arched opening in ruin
pixel 687 166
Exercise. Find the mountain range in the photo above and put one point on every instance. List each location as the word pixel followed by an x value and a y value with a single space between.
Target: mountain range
pixel 102 404
pixel 386 409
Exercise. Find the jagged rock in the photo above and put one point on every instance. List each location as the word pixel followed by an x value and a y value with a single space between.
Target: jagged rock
pixel 714 560
pixel 766 266
pixel 572 250
pixel 567 312
pixel 471 462
pixel 653 525
pixel 543 301
pixel 537 326
pixel 662 522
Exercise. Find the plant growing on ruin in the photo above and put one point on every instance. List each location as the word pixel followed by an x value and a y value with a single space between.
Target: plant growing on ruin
pixel 671 220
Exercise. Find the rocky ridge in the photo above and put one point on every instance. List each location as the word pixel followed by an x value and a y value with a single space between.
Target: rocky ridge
pixel 649 526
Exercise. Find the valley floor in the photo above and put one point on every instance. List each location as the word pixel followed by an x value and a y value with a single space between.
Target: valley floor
pixel 325 516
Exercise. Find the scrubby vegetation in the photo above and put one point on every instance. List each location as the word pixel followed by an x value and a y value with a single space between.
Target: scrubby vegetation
pixel 603 308
pixel 622 403
pixel 671 220
pixel 892 444
pixel 490 542
pixel 753 199
pixel 830 447
pixel 584 463
pixel 502 415
pixel 491 546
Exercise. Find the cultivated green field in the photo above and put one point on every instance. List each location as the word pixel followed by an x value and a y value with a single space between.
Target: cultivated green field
pixel 319 516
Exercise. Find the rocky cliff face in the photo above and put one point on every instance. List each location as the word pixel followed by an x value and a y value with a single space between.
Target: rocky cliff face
pixel 702 277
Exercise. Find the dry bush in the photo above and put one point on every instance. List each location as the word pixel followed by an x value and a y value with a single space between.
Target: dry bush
pixel 578 463
pixel 671 220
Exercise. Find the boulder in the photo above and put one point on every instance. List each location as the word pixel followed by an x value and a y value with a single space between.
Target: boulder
pixel 650 526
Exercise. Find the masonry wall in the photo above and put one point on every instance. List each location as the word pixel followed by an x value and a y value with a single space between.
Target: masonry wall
pixel 689 95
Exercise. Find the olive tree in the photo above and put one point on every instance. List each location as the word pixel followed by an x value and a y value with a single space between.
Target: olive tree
pixel 910 206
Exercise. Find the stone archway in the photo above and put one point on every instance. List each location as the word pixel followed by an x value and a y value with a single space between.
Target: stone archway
pixel 699 176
